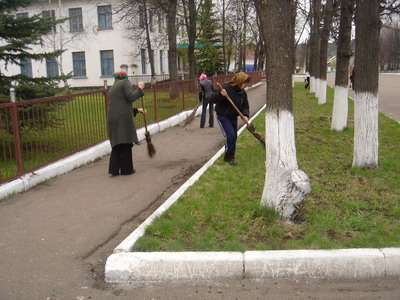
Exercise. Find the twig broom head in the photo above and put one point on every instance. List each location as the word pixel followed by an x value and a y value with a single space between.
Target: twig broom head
pixel 190 118
pixel 151 150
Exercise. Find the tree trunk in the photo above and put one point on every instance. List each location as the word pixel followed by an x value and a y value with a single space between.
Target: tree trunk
pixel 314 44
pixel 343 54
pixel 148 41
pixel 192 39
pixel 171 29
pixel 324 51
pixel 286 187
pixel 366 66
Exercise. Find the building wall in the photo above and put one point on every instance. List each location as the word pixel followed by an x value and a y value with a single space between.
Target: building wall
pixel 91 40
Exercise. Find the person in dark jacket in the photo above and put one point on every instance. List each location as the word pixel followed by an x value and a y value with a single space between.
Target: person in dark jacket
pixel 205 92
pixel 227 115
pixel 121 125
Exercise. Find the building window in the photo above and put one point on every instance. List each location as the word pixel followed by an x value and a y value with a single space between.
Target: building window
pixel 19 15
pixel 151 21
pixel 26 67
pixel 161 61
pixel 107 62
pixel 143 60
pixel 141 17
pixel 75 21
pixel 104 16
pixel 79 63
pixel 51 67
pixel 50 14
pixel 160 23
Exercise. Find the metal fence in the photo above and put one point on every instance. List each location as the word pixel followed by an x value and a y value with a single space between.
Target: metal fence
pixel 37 132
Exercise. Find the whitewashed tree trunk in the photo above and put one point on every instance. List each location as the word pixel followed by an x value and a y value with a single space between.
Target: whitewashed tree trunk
pixel 366 82
pixel 322 91
pixel 317 81
pixel 312 84
pixel 365 130
pixel 340 108
pixel 285 185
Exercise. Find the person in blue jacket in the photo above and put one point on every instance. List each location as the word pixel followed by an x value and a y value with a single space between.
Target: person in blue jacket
pixel 227 116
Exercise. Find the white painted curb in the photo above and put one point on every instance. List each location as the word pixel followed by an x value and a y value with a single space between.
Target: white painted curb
pixel 125 267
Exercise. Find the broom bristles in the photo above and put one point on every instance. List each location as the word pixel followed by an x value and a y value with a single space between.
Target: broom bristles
pixel 151 150
pixel 190 118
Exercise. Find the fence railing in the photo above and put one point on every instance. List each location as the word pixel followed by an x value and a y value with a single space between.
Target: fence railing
pixel 37 132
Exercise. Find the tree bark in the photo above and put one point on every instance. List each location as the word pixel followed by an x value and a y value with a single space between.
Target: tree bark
pixel 192 38
pixel 366 66
pixel 148 40
pixel 171 29
pixel 343 54
pixel 286 187
pixel 314 44
pixel 328 15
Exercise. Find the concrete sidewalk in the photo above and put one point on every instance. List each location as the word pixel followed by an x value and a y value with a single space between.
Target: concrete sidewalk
pixel 57 236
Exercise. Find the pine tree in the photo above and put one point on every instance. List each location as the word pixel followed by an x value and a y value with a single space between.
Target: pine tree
pixel 208 55
pixel 18 36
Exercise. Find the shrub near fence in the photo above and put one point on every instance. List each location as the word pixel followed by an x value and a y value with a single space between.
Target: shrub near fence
pixel 37 132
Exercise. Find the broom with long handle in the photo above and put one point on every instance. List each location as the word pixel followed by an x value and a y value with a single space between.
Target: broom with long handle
pixel 249 126
pixel 190 118
pixel 151 151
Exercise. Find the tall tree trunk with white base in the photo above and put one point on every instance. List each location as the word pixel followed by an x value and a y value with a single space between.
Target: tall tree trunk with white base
pixel 326 29
pixel 366 65
pixel 340 101
pixel 315 7
pixel 286 187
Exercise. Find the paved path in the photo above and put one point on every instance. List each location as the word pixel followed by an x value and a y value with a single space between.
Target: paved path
pixel 56 237
pixel 389 93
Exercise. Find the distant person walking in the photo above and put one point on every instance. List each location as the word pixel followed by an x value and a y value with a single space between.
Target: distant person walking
pixel 121 125
pixel 227 115
pixel 205 92
pixel 352 78
pixel 307 80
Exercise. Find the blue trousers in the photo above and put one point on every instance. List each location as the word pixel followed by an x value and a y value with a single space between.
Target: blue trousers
pixel 229 130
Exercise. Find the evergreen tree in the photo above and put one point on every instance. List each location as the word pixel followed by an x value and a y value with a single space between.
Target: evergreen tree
pixel 18 36
pixel 208 54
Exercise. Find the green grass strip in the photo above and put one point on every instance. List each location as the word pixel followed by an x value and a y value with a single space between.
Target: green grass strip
pixel 347 208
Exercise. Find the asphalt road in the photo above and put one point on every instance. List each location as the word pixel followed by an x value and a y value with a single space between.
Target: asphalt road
pixel 56 237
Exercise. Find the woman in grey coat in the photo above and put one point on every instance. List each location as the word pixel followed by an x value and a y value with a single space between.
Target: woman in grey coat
pixel 121 125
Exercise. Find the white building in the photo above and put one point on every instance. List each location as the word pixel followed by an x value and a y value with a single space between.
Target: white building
pixel 97 42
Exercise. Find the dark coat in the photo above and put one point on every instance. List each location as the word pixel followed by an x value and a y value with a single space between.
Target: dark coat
pixel 206 88
pixel 120 122
pixel 224 107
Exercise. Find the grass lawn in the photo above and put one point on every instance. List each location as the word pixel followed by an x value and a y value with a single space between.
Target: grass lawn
pixel 347 208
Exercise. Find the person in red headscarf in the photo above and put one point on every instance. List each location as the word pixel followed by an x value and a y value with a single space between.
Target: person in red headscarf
pixel 121 125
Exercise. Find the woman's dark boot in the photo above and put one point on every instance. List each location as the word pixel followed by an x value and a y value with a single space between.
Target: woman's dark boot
pixel 226 156
pixel 232 160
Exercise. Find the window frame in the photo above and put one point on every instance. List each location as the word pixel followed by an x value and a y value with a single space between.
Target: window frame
pixel 26 67
pixel 143 58
pixel 79 63
pixel 75 20
pixel 106 63
pixel 52 67
pixel 104 17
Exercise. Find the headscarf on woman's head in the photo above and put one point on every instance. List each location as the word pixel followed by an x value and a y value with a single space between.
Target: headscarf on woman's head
pixel 239 79
pixel 202 76
pixel 120 75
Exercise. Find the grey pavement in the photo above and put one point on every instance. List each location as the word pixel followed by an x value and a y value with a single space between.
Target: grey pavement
pixel 57 236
